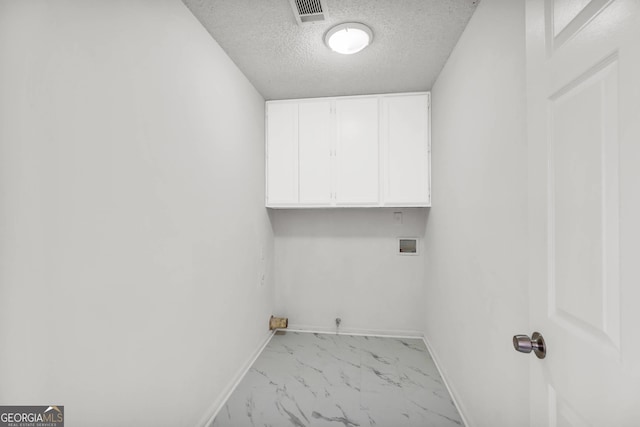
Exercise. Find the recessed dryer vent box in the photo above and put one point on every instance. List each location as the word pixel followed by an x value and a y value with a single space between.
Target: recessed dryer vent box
pixel 408 246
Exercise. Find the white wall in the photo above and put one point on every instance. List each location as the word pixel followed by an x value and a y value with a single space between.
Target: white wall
pixel 476 280
pixel 342 263
pixel 131 212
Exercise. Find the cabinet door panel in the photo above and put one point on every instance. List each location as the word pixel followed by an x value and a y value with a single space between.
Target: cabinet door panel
pixel 316 131
pixel 357 175
pixel 406 150
pixel 282 153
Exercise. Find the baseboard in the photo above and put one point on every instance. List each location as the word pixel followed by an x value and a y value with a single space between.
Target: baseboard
pixel 452 393
pixel 391 333
pixel 219 403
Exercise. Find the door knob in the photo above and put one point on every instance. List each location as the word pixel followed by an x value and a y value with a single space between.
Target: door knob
pixel 524 344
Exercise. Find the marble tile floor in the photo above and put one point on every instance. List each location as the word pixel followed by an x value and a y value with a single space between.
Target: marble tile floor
pixel 307 379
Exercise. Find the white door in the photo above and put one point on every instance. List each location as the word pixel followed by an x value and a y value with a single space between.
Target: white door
pixel 583 77
pixel 405 145
pixel 316 133
pixel 282 154
pixel 357 177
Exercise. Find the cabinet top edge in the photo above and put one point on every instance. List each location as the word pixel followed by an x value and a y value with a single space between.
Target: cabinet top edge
pixel 328 98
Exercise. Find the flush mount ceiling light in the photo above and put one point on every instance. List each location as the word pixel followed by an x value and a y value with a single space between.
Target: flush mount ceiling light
pixel 348 38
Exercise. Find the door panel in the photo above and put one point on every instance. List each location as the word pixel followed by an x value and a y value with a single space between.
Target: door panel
pixel 583 93
pixel 565 11
pixel 566 18
pixel 584 204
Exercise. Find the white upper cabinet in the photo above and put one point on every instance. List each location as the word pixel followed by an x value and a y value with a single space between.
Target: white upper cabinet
pixel 282 154
pixel 315 145
pixel 405 150
pixel 357 169
pixel 364 151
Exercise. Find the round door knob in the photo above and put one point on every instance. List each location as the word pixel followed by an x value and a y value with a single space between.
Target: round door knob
pixel 524 344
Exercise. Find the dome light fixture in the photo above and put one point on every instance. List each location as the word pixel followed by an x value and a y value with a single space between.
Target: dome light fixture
pixel 348 38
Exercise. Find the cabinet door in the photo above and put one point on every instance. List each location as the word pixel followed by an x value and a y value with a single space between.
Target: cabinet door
pixel 316 133
pixel 282 153
pixel 357 174
pixel 405 145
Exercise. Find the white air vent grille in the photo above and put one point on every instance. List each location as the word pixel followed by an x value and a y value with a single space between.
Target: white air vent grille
pixel 308 10
pixel 308 7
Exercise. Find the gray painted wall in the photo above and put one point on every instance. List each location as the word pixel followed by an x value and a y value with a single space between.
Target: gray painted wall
pixel 343 263
pixel 476 253
pixel 131 213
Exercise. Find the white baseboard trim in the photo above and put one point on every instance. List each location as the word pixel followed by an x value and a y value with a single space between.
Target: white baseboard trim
pixel 354 331
pixel 453 395
pixel 219 403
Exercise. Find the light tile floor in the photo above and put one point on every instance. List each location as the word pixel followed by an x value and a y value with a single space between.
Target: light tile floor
pixel 304 379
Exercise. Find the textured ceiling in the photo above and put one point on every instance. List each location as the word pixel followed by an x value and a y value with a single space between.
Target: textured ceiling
pixel 412 40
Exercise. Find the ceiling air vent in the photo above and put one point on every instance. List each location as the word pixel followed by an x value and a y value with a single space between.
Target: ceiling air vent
pixel 308 10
